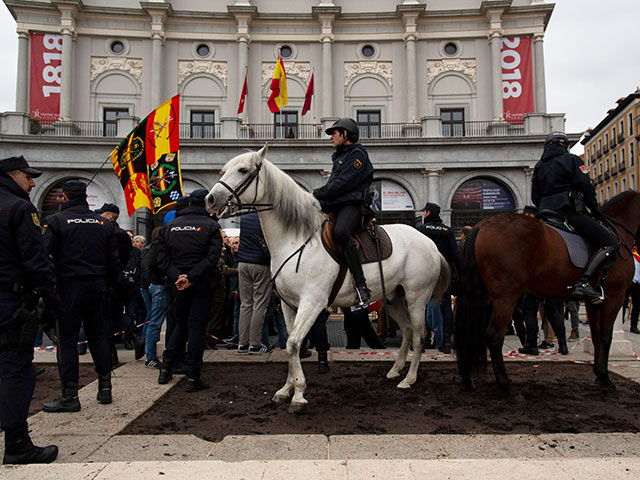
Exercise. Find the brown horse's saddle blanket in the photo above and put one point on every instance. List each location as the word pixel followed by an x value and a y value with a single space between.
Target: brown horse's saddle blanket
pixel 579 250
pixel 364 237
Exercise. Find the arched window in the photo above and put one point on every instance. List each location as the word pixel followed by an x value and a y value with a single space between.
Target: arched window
pixel 477 199
pixel 392 203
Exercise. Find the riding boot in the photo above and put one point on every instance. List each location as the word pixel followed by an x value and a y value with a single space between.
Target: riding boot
pixel 562 346
pixel 165 373
pixel 582 290
pixel 194 384
pixel 363 294
pixel 104 389
pixel 323 363
pixel 20 450
pixel 68 402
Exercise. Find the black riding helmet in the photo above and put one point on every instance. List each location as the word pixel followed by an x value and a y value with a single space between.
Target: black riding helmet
pixel 557 137
pixel 346 123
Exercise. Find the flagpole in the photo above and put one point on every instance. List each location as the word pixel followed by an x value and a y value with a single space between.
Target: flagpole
pixel 313 99
pixel 244 111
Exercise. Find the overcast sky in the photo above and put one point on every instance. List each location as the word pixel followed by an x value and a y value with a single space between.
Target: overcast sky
pixel 591 48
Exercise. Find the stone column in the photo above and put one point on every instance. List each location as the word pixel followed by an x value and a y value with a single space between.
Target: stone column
pixel 66 79
pixel 158 12
pixel 243 61
pixel 412 89
pixel 327 70
pixel 494 16
pixel 528 173
pixel 22 80
pixel 434 176
pixel 539 78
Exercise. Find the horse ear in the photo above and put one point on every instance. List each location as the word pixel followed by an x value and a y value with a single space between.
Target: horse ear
pixel 262 153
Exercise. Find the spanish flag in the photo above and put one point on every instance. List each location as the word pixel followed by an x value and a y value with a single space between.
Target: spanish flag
pixel 147 161
pixel 278 97
pixel 635 254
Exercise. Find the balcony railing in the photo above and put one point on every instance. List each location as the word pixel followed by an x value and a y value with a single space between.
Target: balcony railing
pixel 613 142
pixel 623 167
pixel 607 175
pixel 72 129
pixel 198 130
pixel 614 170
pixel 606 148
pixel 599 153
pixel 266 131
pixel 600 180
pixel 621 137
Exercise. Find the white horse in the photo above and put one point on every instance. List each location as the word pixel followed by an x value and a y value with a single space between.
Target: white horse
pixel 305 273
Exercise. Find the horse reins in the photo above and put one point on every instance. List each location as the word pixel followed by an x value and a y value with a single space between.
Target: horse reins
pixel 612 223
pixel 243 209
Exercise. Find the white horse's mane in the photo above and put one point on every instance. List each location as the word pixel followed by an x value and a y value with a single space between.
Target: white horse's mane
pixel 298 209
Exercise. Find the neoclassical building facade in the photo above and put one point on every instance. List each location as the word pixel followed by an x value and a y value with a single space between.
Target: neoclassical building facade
pixel 450 96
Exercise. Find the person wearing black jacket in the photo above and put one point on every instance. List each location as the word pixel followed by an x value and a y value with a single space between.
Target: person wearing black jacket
pixel 560 182
pixel 83 248
pixel 442 235
pixel 188 251
pixel 153 276
pixel 345 194
pixel 116 297
pixel 25 274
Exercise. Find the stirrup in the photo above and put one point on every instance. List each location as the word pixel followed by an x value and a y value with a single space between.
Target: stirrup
pixel 583 291
pixel 363 295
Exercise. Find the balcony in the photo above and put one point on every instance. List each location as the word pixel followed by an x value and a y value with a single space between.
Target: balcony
pixel 614 170
pixel 607 175
pixel 621 137
pixel 605 149
pixel 72 129
pixel 599 153
pixel 600 178
pixel 623 167
pixel 613 142
pixel 199 130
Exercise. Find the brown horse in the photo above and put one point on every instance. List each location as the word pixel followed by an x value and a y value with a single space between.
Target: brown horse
pixel 506 255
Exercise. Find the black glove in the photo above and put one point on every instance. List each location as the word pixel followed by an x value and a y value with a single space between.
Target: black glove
pixel 49 322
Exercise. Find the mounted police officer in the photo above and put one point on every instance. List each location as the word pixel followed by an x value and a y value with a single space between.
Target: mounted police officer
pixel 444 238
pixel 25 267
pixel 345 195
pixel 561 182
pixel 188 251
pixel 83 247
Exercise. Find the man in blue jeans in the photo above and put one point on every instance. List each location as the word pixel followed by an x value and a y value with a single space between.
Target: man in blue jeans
pixel 152 274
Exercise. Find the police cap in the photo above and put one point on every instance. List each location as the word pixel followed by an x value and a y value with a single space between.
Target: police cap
pixel 197 196
pixel 74 186
pixel 109 207
pixel 432 208
pixel 348 124
pixel 557 137
pixel 18 163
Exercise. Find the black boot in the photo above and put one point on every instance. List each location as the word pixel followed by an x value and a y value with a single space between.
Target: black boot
pixel 68 402
pixel 363 294
pixel 445 346
pixel 323 363
pixel 582 290
pixel 562 346
pixel 19 450
pixel 165 374
pixel 104 388
pixel 139 345
pixel 194 384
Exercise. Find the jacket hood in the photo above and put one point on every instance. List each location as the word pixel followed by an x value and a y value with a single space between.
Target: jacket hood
pixel 552 150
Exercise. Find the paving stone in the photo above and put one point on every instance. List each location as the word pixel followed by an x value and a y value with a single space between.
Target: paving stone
pixel 152 448
pixel 383 446
pixel 237 448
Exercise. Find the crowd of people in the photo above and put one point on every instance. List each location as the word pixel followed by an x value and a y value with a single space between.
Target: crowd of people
pixel 100 284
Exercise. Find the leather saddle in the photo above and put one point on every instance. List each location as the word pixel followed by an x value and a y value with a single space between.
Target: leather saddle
pixel 579 250
pixel 364 237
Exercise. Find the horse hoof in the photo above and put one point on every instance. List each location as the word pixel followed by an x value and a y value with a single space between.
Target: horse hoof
pixel 279 399
pixel 404 384
pixel 392 374
pixel 298 408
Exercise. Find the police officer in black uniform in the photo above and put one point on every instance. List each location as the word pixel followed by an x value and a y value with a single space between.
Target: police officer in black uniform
pixel 82 245
pixel 25 267
pixel 116 297
pixel 561 182
pixel 444 238
pixel 345 195
pixel 188 251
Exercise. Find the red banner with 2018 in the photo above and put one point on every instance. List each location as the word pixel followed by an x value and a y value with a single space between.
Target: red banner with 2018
pixel 44 75
pixel 517 78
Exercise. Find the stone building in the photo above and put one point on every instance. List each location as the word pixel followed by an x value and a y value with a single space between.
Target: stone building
pixel 429 82
pixel 611 149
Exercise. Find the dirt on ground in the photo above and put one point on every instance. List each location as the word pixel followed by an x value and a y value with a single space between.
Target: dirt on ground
pixel 356 398
pixel 48 384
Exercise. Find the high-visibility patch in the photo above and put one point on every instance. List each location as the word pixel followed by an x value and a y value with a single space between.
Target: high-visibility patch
pixel 584 169
pixel 357 164
pixel 36 220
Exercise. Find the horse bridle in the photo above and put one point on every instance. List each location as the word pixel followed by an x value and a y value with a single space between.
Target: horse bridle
pixel 612 223
pixel 237 207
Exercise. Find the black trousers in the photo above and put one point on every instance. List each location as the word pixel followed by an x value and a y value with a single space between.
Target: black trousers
pixel 447 316
pixel 357 326
pixel 634 290
pixel 590 228
pixel 82 304
pixel 318 333
pixel 348 221
pixel 191 308
pixel 553 313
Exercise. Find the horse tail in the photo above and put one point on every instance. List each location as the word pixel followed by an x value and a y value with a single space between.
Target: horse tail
pixel 472 315
pixel 444 280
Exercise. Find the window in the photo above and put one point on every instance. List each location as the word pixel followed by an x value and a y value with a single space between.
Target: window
pixel 630 123
pixel 608 192
pixel 615 188
pixel 615 161
pixel 621 129
pixel 452 122
pixel 117 47
pixel 109 120
pixel 632 159
pixel 203 50
pixel 607 165
pixel 622 165
pixel 286 51
pixel 632 181
pixel 203 124
pixel 624 184
pixel 368 51
pixel 286 124
pixel 369 122
pixel 450 48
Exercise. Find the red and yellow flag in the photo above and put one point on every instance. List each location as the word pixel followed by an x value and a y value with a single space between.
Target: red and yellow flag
pixel 278 97
pixel 147 161
pixel 635 254
pixel 243 95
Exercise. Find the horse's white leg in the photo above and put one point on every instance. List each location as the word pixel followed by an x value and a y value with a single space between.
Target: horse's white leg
pixel 416 310
pixel 399 313
pixel 285 392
